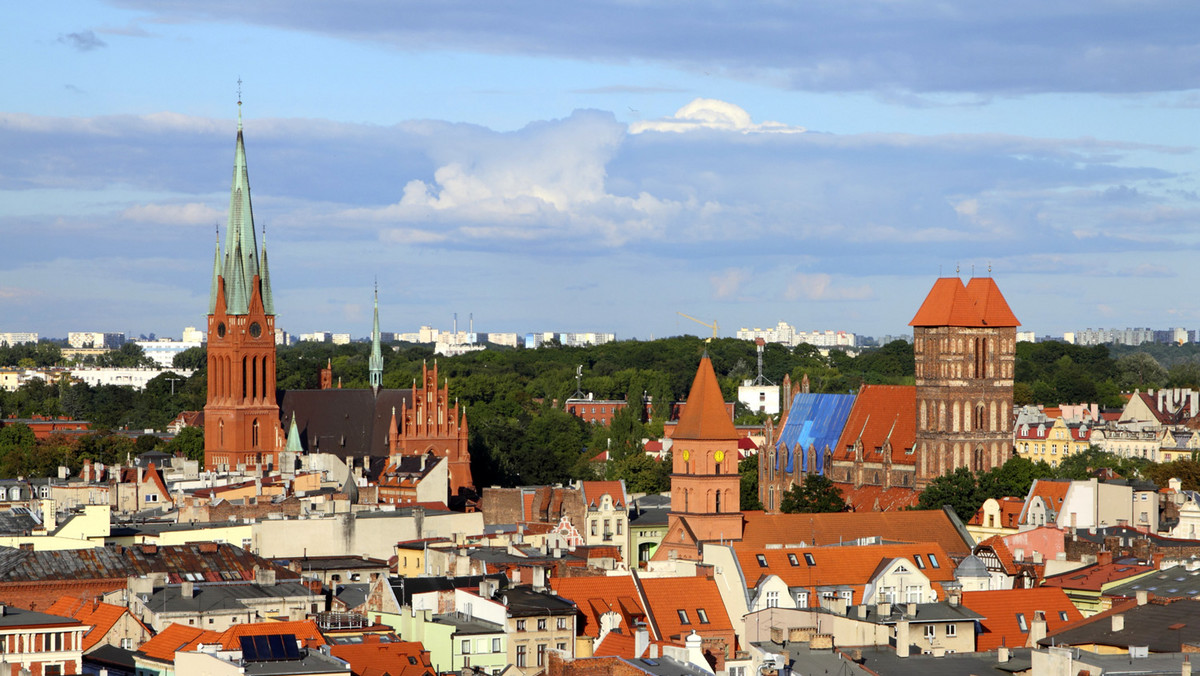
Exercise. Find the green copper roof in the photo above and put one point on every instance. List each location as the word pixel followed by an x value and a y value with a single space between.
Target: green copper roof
pixel 241 249
pixel 212 294
pixel 293 442
pixel 375 364
pixel 265 278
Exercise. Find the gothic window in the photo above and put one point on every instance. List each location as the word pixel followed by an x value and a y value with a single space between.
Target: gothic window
pixel 254 434
pixel 718 502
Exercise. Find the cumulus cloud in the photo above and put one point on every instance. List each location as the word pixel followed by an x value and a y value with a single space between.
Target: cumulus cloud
pixel 83 41
pixel 712 114
pixel 820 286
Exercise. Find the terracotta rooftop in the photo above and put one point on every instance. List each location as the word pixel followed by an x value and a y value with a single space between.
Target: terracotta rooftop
pixel 697 597
pixel 881 413
pixel 1005 609
pixel 1095 576
pixel 1010 513
pixel 877 498
pixel 376 658
pixel 761 529
pixel 979 303
pixel 176 637
pixel 593 491
pixel 595 596
pixel 705 416
pixel 1051 492
pixel 102 617
pixel 848 565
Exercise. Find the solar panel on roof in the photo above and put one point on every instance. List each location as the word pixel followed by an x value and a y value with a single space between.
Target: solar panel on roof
pixel 249 651
pixel 291 649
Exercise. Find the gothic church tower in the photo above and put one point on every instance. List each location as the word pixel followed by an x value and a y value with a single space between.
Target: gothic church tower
pixel 241 417
pixel 964 343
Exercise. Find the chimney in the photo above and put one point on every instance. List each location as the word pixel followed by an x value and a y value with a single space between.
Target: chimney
pixel 1037 557
pixel 49 515
pixel 264 576
pixel 902 638
pixel 1037 630
pixel 1186 670
pixel 911 610
pixel 187 590
pixel 883 609
pixel 861 611
pixel 954 597
pixel 1019 554
pixel 1142 597
pixel 1104 558
pixel 641 641
pixel 1118 622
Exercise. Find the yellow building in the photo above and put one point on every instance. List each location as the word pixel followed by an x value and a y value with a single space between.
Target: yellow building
pixel 1051 441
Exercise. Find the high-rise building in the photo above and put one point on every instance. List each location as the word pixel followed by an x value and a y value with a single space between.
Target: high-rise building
pixel 965 346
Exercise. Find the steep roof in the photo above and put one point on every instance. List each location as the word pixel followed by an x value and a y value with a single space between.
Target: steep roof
pixel 1095 576
pixel 878 498
pixel 881 413
pixel 593 491
pixel 813 421
pixel 666 596
pixel 595 596
pixel 761 529
pixel 1010 513
pixel 1050 491
pixel 848 565
pixel 1162 625
pixel 705 416
pixel 102 617
pixel 1000 609
pixel 394 658
pixel 977 304
pixel 343 422
pixel 175 637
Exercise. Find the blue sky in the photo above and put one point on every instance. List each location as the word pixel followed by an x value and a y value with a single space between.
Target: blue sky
pixel 602 165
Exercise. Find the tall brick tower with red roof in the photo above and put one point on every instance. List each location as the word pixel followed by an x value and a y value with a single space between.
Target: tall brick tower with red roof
pixel 964 341
pixel 705 486
pixel 241 416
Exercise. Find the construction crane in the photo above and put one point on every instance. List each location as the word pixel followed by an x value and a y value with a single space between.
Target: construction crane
pixel 712 326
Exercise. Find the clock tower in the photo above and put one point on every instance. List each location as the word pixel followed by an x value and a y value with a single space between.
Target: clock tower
pixel 705 485
pixel 241 416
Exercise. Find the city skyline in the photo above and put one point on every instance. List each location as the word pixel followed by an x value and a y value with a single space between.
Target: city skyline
pixel 602 167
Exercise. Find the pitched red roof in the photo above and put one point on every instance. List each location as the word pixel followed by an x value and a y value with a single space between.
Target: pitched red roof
pixel 979 304
pixel 1010 513
pixel 761 529
pixel 668 595
pixel 176 637
pixel 595 596
pixel 373 658
pixel 1051 492
pixel 1000 609
pixel 594 490
pixel 705 417
pixel 102 617
pixel 881 413
pixel 878 498
pixel 1095 576
pixel 848 565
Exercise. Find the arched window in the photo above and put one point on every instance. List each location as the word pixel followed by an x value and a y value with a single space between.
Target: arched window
pixel 254 434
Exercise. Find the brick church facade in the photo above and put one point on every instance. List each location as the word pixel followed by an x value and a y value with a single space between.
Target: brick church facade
pixel 246 417
pixel 964 342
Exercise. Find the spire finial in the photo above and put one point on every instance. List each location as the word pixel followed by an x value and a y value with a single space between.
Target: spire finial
pixel 239 103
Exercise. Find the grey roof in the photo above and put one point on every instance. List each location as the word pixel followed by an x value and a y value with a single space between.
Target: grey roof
pixel 405 587
pixel 16 617
pixel 1149 625
pixel 217 597
pixel 1173 582
pixel 18 521
pixel 883 660
pixel 972 566
pixel 925 612
pixel 353 594
pixel 343 422
pixel 464 625
pixel 311 662
pixel 525 602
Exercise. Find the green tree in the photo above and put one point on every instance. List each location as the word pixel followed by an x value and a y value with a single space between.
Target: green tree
pixel 1140 371
pixel 958 489
pixel 189 443
pixel 818 494
pixel 748 474
pixel 643 474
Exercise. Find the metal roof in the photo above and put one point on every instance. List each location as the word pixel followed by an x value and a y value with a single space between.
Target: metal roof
pixel 814 420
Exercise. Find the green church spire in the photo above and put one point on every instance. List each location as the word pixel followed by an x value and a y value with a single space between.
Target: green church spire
pixel 241 249
pixel 293 440
pixel 265 279
pixel 216 281
pixel 375 364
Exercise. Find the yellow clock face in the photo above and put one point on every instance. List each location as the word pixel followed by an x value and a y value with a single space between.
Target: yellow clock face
pixel 686 455
pixel 719 455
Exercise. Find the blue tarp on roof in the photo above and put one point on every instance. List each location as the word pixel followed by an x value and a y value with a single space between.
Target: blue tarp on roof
pixel 813 420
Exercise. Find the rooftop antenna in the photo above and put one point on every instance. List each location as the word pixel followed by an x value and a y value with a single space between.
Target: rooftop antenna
pixel 239 103
pixel 956 270
pixel 989 268
pixel 578 383
pixel 760 380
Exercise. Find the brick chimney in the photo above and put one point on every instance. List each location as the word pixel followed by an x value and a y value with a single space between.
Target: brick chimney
pixel 1118 622
pixel 1037 629
pixel 902 639
pixel 1104 558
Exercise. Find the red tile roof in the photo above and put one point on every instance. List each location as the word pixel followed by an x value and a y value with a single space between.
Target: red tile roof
pixel 841 565
pixel 881 413
pixel 1051 492
pixel 761 529
pixel 668 595
pixel 372 658
pixel 176 637
pixel 979 304
pixel 595 596
pixel 705 417
pixel 102 617
pixel 594 490
pixel 878 499
pixel 1095 576
pixel 1000 609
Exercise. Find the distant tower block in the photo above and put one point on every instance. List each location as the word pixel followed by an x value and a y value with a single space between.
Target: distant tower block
pixel 964 342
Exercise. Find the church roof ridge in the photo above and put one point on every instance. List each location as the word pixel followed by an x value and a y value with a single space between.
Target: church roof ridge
pixel 705 416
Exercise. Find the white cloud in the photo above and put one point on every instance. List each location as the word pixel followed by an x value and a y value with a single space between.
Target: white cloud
pixel 193 213
pixel 728 283
pixel 712 114
pixel 820 286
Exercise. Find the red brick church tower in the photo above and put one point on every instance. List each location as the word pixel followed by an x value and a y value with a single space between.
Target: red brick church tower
pixel 241 417
pixel 430 423
pixel 705 486
pixel 964 342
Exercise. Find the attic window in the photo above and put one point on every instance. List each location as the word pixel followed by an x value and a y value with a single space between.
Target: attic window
pixel 702 615
pixel 1021 623
pixel 793 560
pixel 920 561
pixel 1062 615
pixel 933 561
pixel 808 558
pixel 683 618
pixel 762 562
